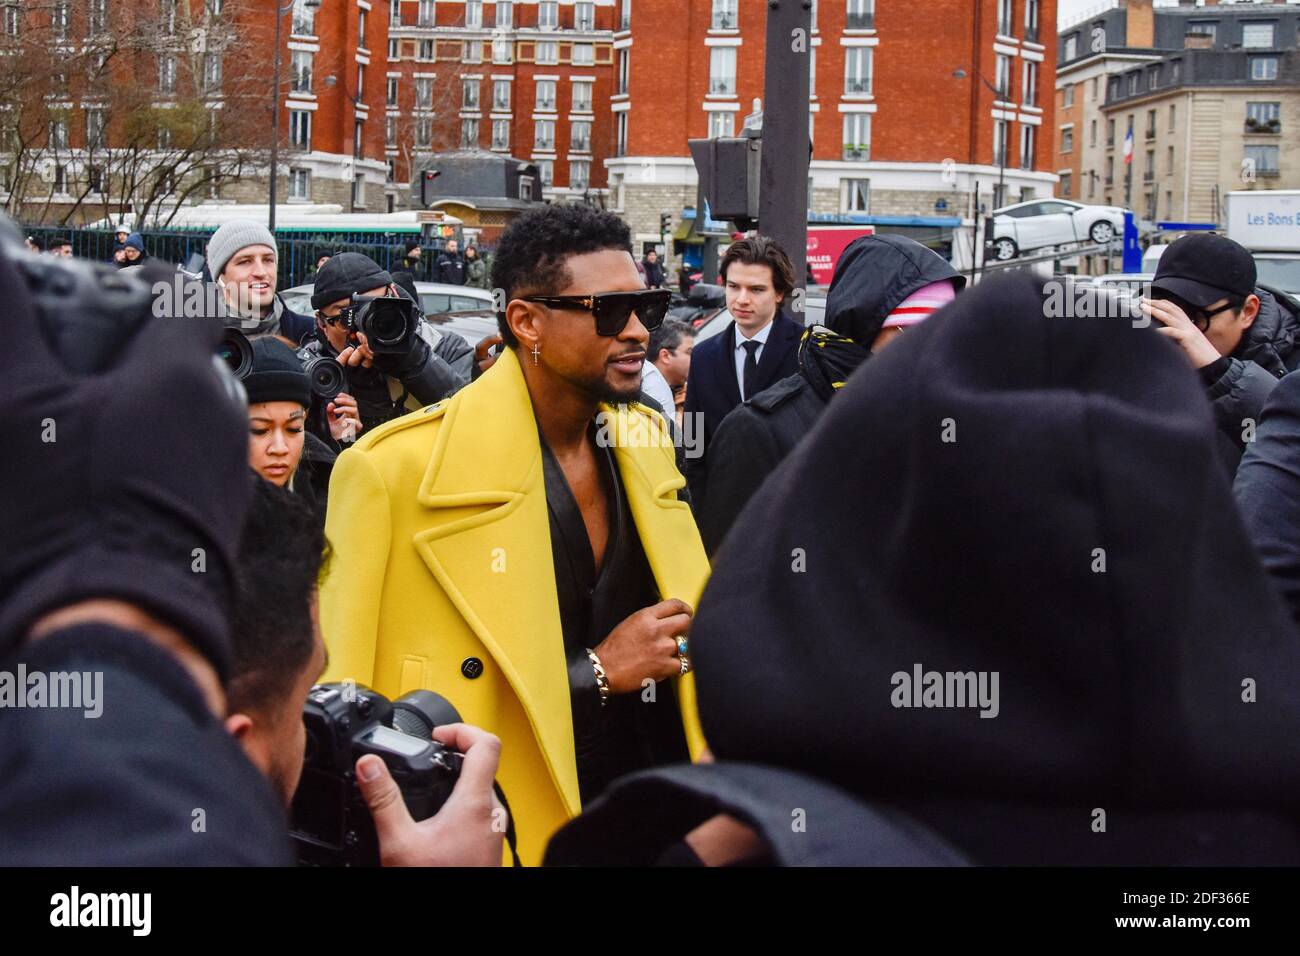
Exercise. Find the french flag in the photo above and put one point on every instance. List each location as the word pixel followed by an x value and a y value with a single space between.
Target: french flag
pixel 1128 147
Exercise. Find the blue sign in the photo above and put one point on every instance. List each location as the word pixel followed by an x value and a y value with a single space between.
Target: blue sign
pixel 1132 248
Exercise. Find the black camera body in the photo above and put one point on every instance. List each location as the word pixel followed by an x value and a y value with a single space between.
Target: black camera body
pixel 387 322
pixel 330 822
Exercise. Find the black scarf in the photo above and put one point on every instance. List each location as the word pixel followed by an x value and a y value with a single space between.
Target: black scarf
pixel 827 359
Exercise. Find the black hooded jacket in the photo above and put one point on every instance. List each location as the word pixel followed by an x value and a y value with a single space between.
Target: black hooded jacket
pixel 1054 514
pixel 873 277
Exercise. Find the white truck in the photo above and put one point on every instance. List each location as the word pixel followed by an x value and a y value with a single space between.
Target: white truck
pixel 1267 222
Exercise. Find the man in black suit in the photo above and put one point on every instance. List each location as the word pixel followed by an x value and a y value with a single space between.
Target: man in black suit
pixel 758 348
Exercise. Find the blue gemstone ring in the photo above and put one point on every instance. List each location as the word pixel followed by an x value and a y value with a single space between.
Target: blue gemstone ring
pixel 682 646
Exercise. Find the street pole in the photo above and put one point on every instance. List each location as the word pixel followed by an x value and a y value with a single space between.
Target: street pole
pixel 783 193
pixel 275 117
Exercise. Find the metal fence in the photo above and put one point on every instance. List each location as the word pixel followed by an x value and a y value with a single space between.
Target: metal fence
pixel 298 251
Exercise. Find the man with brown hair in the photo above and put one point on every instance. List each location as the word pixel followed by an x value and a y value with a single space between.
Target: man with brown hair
pixel 758 348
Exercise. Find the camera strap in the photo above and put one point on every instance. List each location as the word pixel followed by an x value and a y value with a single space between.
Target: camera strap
pixel 510 824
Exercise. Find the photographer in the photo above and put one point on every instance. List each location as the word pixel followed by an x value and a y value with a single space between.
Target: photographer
pixel 385 385
pixel 278 657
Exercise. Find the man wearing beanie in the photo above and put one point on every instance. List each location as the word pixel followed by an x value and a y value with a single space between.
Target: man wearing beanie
pixel 242 259
pixel 133 250
pixel 882 285
pixel 385 386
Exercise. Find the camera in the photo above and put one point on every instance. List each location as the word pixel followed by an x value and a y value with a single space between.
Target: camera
pixel 236 352
pixel 330 821
pixel 328 377
pixel 387 322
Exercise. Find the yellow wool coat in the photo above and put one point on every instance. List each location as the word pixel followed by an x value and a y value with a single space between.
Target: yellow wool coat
pixel 441 552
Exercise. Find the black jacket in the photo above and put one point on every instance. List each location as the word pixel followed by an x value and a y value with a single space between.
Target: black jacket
pixel 155 780
pixel 712 390
pixel 1053 514
pixel 450 268
pixel 1238 386
pixel 654 273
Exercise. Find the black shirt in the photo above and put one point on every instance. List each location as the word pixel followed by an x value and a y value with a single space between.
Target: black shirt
pixel 629 733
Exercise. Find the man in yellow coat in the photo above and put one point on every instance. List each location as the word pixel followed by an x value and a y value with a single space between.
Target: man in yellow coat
pixel 521 547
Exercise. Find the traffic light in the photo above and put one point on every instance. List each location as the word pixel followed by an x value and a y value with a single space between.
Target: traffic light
pixel 665 223
pixel 427 179
pixel 729 171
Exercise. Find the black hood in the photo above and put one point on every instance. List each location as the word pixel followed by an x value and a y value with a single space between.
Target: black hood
pixel 1005 492
pixel 874 275
pixel 1272 336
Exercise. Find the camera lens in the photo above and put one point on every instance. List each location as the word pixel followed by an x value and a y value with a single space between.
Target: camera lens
pixel 327 376
pixel 388 326
pixel 236 352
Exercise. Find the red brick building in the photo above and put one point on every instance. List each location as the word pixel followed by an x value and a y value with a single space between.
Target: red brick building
pixel 911 103
pixel 530 79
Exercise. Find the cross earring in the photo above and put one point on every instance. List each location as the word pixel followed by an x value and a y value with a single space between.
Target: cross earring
pixel 536 351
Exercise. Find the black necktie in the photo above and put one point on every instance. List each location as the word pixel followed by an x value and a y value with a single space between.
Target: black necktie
pixel 751 366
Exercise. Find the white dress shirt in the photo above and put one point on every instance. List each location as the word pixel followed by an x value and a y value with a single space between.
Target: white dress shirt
pixel 655 385
pixel 761 338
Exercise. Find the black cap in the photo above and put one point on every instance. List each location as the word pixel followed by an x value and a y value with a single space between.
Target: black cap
pixel 1201 269
pixel 277 375
pixel 345 275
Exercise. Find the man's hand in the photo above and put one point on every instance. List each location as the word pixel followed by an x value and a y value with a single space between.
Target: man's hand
pixel 343 417
pixel 1177 326
pixel 483 356
pixel 645 645
pixel 470 827
pixel 358 354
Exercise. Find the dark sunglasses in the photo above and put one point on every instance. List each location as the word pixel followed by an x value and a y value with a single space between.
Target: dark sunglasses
pixel 613 310
pixel 1200 318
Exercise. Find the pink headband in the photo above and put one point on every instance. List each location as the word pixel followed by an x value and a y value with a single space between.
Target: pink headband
pixel 918 306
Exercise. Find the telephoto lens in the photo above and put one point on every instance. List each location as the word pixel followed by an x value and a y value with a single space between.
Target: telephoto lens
pixel 236 351
pixel 328 377
pixel 388 323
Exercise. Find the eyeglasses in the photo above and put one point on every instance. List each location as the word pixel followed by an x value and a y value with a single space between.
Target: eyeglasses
pixel 613 310
pixel 1200 318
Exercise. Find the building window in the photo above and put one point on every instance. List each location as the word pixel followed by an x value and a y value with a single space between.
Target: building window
pixel 580 137
pixel 582 97
pixel 546 170
pixel 302 68
pixel 211 71
pixel 545 96
pixel 584 54
pixel 861 15
pixel 1110 172
pixel 1067 139
pixel 1110 134
pixel 1263 117
pixel 1208 28
pixel 1264 159
pixel 11 18
pixel 501 134
pixel 857 137
pixel 857 69
pixel 1257 36
pixel 548 51
pixel 501 94
pixel 394 49
pixel 526 187
pixel 1071 47
pixel 624 66
pixel 1263 68
pixel 1029 85
pixel 1067 94
pixel 426 51
pixel 58 134
pixel 95 127
pixel 548 15
pixel 60 179
pixel 855 195
pixel 1067 185
pixel 424 132
pixel 503 50
pixel 1031 20
pixel 427 14
pixel 361 29
pixel 1000 132
pixel 1002 76
pixel 579 175
pixel 304 19
pixel 474 14
pixel 584 16
pixel 1173 117
pixel 469 94
pixel 722 70
pixel 1006 18
pixel 472 51
pixel 620 133
pixel 164 137
pixel 625 15
pixel 725 15
pixel 395 13
pixel 1132 83
pixel 1149 171
pixel 424 92
pixel 300 129
pixel 544 139
pixel 1175 71
pixel 391 98
pixel 1028 146
pixel 1151 124
pixel 97 22
pixel 722 124
pixel 468 132
pixel 505 15
pixel 1169 156
pixel 390 130
pixel 167 74
pixel 300 184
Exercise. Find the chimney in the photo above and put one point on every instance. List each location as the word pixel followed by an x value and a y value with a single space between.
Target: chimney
pixel 1141 20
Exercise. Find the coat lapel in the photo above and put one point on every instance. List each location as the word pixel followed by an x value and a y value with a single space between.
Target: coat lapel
pixel 783 337
pixel 727 368
pixel 489 547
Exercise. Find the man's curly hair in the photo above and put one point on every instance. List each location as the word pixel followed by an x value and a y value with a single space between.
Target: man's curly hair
pixel 531 254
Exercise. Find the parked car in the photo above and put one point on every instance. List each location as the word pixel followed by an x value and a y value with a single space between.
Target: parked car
pixel 1040 223
pixel 435 298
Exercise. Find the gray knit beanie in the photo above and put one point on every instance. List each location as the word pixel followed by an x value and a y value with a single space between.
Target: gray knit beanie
pixel 233 236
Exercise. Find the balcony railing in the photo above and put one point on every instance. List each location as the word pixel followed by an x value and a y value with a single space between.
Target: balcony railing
pixel 857 153
pixel 857 86
pixel 725 20
pixel 1266 127
pixel 722 84
pixel 861 21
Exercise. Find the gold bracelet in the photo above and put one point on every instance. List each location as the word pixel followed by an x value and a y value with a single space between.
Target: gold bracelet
pixel 602 681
